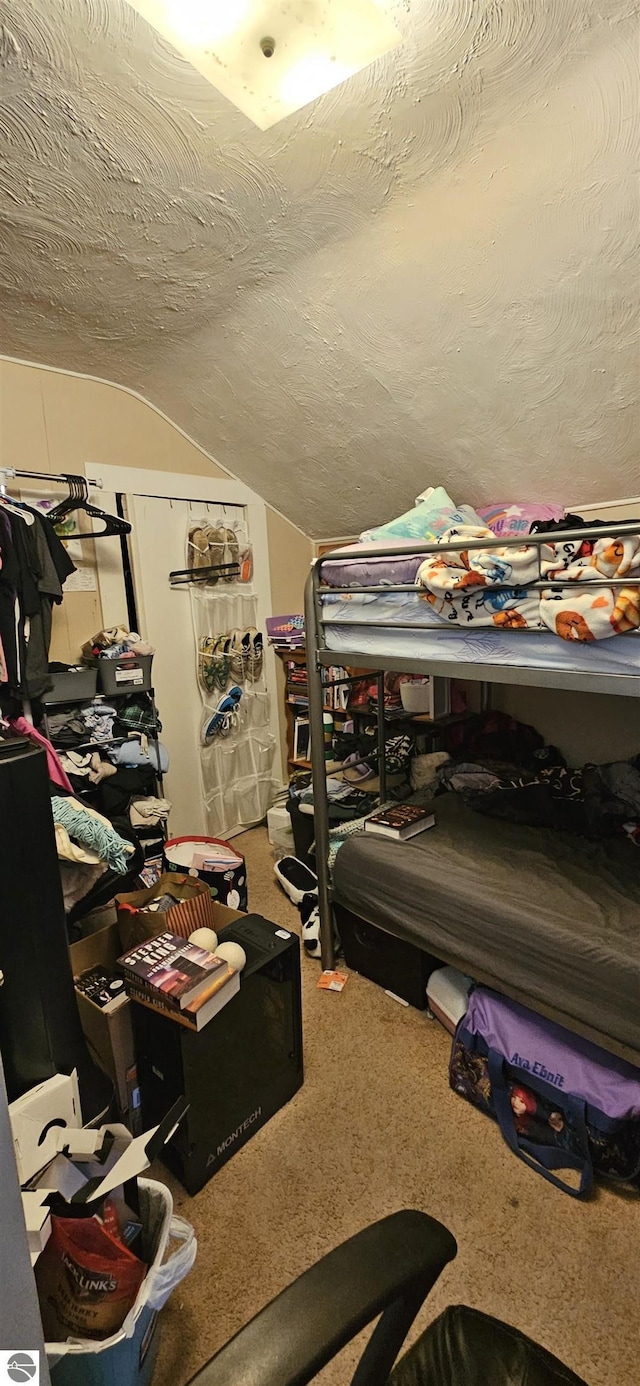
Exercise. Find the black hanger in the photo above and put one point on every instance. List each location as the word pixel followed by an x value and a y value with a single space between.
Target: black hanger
pixel 78 499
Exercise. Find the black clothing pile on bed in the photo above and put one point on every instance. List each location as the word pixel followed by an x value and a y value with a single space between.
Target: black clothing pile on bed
pixel 504 769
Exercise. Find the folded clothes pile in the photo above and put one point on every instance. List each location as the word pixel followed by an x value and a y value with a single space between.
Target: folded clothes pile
pixel 87 765
pixel 67 728
pixel 149 812
pixel 112 643
pixel 98 718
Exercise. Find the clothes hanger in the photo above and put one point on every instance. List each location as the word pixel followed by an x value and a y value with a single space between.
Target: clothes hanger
pixel 78 499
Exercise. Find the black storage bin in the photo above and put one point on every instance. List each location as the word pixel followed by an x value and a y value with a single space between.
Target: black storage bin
pixel 125 675
pixel 73 685
pixel 390 962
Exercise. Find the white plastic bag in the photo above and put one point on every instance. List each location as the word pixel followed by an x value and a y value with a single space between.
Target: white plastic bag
pixel 162 1280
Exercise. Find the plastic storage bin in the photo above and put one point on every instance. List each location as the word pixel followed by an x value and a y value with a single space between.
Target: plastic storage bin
pixel 128 1358
pixel 72 684
pixel 448 996
pixel 125 675
pixel 389 961
pixel 429 697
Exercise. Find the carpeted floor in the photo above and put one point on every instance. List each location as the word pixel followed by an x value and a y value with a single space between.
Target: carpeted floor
pixel 376 1128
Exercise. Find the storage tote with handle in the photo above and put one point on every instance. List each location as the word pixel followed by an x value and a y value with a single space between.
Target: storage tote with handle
pixel 128 1357
pixel 562 1103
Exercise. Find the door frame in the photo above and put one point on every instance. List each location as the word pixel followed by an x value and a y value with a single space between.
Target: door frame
pixel 195 488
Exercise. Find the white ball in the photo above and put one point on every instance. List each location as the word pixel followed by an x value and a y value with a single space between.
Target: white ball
pixel 205 938
pixel 234 955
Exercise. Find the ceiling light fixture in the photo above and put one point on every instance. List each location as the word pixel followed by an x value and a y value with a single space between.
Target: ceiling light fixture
pixel 271 57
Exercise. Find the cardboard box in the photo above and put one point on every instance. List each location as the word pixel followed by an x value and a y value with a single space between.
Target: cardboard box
pixel 37 1221
pixel 39 1117
pixel 137 928
pixel 110 1037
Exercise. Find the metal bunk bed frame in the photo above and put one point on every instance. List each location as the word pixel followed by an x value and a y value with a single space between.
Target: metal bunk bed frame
pixel 319 657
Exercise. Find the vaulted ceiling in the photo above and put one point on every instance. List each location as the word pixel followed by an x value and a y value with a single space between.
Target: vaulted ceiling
pixel 430 274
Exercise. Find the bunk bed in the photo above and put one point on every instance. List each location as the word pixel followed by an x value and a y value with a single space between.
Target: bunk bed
pixel 559 930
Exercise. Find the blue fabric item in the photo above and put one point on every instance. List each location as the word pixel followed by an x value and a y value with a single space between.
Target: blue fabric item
pixel 91 833
pixel 131 753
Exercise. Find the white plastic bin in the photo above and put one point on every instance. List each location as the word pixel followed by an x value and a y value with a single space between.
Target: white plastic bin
pixel 128 1357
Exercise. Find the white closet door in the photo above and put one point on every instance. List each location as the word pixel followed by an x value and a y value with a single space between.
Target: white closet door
pixel 221 790
pixel 159 546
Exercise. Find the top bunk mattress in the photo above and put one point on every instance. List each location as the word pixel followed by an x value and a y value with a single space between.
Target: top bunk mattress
pixel 549 918
pixel 412 630
pixel 360 565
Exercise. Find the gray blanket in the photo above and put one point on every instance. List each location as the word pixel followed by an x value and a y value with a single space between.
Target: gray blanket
pixel 551 919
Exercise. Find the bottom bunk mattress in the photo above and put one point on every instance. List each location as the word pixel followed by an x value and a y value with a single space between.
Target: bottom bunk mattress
pixel 551 919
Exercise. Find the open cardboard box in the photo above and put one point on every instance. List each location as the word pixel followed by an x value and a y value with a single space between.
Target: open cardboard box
pixel 110 1037
pixel 137 928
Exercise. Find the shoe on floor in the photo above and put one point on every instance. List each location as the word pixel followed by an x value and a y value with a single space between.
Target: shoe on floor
pixel 296 878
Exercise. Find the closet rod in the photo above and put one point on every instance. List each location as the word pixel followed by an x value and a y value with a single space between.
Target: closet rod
pixel 8 472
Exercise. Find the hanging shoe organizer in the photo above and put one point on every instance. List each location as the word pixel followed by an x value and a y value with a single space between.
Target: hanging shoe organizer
pixel 237 746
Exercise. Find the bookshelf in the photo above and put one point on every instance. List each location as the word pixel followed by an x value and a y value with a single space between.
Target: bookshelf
pixel 294 664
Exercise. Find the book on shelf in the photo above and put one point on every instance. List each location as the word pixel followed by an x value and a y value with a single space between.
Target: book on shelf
pixel 301 739
pixel 103 986
pixel 400 821
pixel 173 967
pixel 201 1011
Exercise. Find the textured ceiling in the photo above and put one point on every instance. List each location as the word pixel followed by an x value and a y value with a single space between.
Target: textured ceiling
pixel 428 275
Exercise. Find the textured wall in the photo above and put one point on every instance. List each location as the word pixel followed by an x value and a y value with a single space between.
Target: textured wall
pixel 427 275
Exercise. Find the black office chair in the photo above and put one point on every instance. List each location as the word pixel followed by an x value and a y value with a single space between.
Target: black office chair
pixel 387 1269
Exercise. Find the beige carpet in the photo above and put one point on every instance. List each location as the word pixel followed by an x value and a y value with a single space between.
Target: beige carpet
pixel 373 1129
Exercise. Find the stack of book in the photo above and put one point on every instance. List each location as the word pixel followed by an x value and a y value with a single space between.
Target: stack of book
pixel 286 632
pixel 186 983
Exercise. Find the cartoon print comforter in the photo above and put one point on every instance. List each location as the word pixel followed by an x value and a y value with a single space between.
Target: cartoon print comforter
pixel 469 586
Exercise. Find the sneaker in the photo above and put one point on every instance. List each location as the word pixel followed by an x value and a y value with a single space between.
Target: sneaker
pixel 235 653
pixel 252 654
pixel 223 719
pixel 296 878
pixel 221 662
pixel 207 676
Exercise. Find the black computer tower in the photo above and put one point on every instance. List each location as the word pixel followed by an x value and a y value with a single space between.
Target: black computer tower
pixel 239 1070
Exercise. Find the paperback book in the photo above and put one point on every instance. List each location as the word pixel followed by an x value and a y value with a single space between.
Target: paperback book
pixel 103 986
pixel 173 967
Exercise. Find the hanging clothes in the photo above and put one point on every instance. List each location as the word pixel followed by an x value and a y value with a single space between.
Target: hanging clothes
pixel 33 567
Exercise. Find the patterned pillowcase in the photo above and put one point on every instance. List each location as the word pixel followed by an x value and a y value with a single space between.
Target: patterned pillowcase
pixel 508 519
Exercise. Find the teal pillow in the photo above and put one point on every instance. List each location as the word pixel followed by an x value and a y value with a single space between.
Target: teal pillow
pixel 428 520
